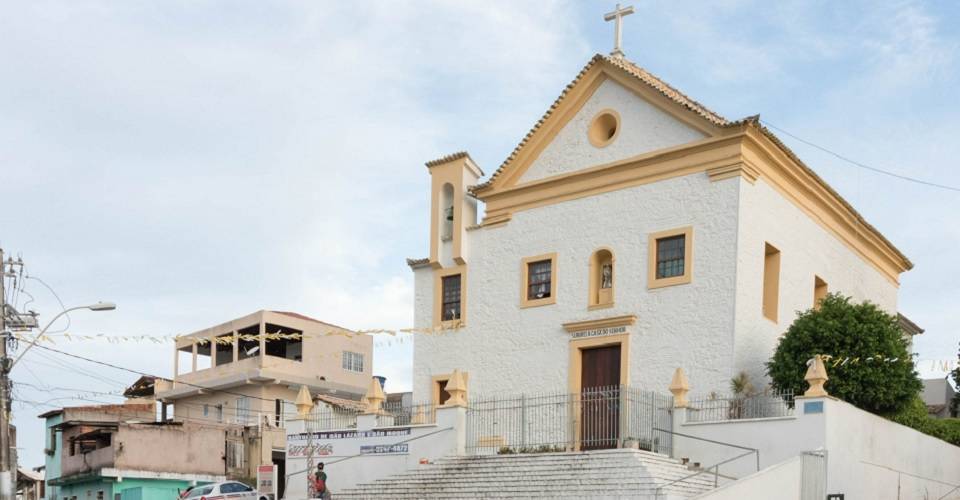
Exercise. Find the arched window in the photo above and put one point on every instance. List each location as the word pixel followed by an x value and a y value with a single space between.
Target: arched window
pixel 446 212
pixel 602 276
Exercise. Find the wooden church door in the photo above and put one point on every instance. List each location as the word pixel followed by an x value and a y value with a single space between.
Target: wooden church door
pixel 600 397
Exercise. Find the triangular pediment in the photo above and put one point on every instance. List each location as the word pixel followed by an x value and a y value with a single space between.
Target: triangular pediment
pixel 644 112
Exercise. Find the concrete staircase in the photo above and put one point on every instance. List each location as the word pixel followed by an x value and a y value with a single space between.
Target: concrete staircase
pixel 623 473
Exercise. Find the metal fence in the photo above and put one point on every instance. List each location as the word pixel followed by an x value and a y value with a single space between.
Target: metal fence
pixel 397 413
pixel 326 418
pixel 717 408
pixel 602 417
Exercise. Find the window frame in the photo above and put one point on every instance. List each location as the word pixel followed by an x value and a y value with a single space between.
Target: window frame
pixel 348 366
pixel 443 297
pixel 770 284
pixel 439 274
pixel 652 247
pixel 525 280
pixel 444 378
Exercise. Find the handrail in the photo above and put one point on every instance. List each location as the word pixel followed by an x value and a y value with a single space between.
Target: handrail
pixel 705 439
pixel 749 451
pixel 716 472
pixel 288 476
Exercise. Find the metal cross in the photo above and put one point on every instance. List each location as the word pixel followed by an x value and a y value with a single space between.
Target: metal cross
pixel 617 16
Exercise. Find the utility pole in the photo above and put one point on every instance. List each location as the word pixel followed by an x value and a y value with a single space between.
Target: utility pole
pixel 6 477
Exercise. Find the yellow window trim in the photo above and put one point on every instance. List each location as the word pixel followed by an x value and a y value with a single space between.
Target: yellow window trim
pixel 687 276
pixel 594 135
pixel 438 276
pixel 445 377
pixel 524 280
pixel 599 298
pixel 820 290
pixel 771 282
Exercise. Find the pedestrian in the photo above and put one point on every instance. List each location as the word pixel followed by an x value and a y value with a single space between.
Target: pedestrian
pixel 320 483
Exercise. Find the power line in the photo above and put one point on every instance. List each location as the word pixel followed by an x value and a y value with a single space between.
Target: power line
pixel 862 165
pixel 144 374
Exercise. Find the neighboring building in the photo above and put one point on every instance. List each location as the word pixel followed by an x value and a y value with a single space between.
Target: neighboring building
pixel 630 232
pixel 30 484
pixel 249 378
pixel 120 452
pixel 937 395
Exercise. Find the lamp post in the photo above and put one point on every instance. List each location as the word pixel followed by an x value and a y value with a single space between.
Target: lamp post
pixel 7 476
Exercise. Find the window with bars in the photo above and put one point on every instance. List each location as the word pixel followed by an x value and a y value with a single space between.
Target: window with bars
pixel 236 456
pixel 451 298
pixel 352 361
pixel 539 276
pixel 243 414
pixel 670 256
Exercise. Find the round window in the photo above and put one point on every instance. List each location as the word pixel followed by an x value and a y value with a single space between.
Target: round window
pixel 604 128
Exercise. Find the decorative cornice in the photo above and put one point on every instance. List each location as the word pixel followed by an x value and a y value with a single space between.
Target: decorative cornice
pixel 591 324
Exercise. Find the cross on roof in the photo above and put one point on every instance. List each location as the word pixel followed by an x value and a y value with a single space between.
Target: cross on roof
pixel 617 17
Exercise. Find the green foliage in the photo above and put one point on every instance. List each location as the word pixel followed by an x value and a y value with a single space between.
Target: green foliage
pixel 740 385
pixel 955 404
pixel 878 375
pixel 914 415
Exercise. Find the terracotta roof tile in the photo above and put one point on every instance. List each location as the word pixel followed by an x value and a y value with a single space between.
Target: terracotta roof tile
pixel 418 262
pixel 449 157
pixel 630 68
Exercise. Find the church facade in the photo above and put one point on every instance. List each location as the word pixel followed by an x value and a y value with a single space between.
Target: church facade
pixel 632 231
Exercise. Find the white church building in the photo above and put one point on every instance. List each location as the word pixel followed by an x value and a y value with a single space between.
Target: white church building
pixel 630 232
pixel 632 235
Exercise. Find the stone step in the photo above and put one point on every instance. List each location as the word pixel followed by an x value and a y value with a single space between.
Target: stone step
pixel 610 481
pixel 520 483
pixel 648 471
pixel 595 474
pixel 644 477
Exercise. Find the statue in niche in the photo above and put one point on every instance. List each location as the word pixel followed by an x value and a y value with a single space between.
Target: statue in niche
pixel 606 276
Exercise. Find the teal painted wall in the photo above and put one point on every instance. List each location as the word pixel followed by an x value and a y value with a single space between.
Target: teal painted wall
pixel 52 462
pixel 128 489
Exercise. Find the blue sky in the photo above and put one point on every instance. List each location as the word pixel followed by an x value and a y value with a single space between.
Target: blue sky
pixel 197 161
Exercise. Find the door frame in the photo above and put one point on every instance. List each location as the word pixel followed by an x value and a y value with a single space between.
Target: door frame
pixel 577 347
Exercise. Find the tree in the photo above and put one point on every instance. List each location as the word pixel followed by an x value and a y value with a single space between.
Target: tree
pixel 955 404
pixel 868 362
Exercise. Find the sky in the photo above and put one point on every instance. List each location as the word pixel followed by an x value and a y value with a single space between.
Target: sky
pixel 195 161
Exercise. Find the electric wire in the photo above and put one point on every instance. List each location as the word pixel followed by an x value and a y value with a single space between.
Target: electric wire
pixel 859 164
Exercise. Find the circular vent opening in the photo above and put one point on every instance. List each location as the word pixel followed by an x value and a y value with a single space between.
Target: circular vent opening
pixel 604 128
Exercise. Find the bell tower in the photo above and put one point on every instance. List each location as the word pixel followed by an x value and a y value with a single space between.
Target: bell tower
pixel 452 208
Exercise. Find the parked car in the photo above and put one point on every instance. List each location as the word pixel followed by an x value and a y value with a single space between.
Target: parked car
pixel 227 490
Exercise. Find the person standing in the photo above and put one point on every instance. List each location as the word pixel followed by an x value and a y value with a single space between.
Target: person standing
pixel 320 483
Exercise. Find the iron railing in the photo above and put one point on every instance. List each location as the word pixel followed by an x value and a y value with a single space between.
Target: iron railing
pixel 715 468
pixel 396 413
pixel 326 418
pixel 718 408
pixel 599 417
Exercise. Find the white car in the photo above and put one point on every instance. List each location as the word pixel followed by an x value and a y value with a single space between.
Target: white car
pixel 227 490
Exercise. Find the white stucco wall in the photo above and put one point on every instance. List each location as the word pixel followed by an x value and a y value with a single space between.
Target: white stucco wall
pixel 868 457
pixel 806 249
pixel 781 481
pixel 510 350
pixel 872 457
pixel 643 128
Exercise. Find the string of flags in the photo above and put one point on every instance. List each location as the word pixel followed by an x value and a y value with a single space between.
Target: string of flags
pixel 399 336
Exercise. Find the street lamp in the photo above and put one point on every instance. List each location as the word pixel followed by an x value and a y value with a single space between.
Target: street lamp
pixel 99 306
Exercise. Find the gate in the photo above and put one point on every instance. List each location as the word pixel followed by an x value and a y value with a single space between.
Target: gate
pixel 602 417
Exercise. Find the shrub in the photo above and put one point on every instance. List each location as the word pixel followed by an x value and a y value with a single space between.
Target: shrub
pixel 878 376
pixel 915 415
